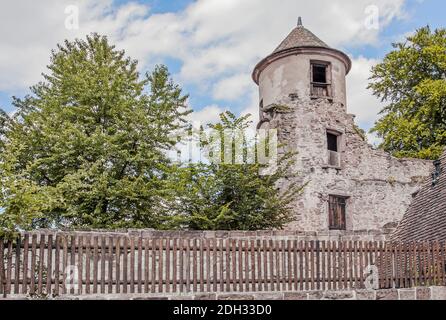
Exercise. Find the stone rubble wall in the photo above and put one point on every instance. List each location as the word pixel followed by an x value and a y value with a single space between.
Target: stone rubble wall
pixel 379 187
pixel 358 235
pixel 420 293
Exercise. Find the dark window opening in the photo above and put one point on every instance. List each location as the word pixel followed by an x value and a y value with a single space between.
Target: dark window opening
pixel 319 73
pixel 320 80
pixel 337 208
pixel 437 173
pixel 332 141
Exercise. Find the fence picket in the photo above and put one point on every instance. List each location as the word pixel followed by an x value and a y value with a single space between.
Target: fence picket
pixel 41 265
pixel 188 262
pixel 136 264
pixel 56 264
pixel 2 267
pixel 221 244
pixel 125 265
pixel 253 266
pixel 194 265
pixel 239 262
pixel 412 264
pixel 215 248
pixel 307 272
pixel 140 265
pixel 153 269
pixel 181 253
pixel 312 265
pixel 168 265
pixel 201 262
pixel 420 264
pixel 110 265
pixel 17 265
pixel 79 264
pixel 339 265
pixel 132 264
pixel 443 267
pixel 87 264
pixel 329 265
pixel 64 264
pixel 117 266
pixel 72 263
pixel 289 264
pixel 429 262
pixel 295 266
pixel 233 278
pixel 103 259
pixel 25 264
pixel 49 271
pixel 264 276
pixel 146 266
pixel 345 266
pixel 208 264
pixel 160 266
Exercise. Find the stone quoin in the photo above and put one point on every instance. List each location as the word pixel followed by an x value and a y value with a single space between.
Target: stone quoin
pixel 351 185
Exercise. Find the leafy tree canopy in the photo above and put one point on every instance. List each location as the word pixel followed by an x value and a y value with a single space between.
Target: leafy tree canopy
pixel 86 148
pixel 412 80
pixel 233 195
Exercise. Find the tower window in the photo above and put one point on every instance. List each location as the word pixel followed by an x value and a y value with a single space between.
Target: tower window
pixel 333 148
pixel 332 142
pixel 319 73
pixel 336 212
pixel 320 79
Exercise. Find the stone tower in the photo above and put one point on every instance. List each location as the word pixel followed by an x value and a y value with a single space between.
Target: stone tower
pixel 351 186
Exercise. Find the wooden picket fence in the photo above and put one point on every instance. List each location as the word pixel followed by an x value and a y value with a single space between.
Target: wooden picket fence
pixel 63 264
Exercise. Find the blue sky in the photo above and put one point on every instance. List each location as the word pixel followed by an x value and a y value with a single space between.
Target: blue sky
pixel 210 46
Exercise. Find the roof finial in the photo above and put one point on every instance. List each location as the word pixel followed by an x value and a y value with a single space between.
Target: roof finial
pixel 299 22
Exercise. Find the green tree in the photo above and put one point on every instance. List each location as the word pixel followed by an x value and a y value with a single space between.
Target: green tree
pixel 412 80
pixel 88 147
pixel 232 195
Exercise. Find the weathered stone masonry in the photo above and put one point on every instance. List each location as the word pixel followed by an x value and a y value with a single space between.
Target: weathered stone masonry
pixel 421 293
pixel 377 187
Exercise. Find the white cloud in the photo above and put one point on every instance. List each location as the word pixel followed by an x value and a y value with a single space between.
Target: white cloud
pixel 233 87
pixel 361 102
pixel 217 42
pixel 373 139
pixel 209 114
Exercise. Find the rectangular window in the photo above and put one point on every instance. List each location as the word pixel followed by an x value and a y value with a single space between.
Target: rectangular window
pixel 333 149
pixel 336 211
pixel 332 142
pixel 319 73
pixel 320 79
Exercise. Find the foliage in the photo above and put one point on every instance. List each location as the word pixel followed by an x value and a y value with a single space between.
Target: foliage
pixel 235 195
pixel 412 80
pixel 360 132
pixel 87 148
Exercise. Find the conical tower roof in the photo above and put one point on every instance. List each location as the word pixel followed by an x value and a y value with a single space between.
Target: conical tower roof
pixel 300 37
pixel 300 41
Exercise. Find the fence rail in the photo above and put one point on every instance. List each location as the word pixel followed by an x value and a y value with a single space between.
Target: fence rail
pixel 91 264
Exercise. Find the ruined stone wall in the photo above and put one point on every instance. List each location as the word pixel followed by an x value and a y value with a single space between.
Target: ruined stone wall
pixel 358 235
pixel 379 187
pixel 421 293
